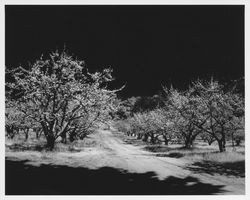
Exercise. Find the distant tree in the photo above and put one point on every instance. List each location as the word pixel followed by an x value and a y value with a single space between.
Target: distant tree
pixel 222 110
pixel 207 138
pixel 181 108
pixel 235 130
pixel 37 129
pixel 154 125
pixel 139 125
pixel 60 94
pixel 147 103
pixel 124 126
pixel 13 118
pixel 16 121
pixel 123 110
pixel 147 125
pixel 163 126
pixel 238 136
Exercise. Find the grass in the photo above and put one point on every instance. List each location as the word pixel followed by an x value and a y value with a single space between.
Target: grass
pixel 18 143
pixel 200 152
pixel 206 159
pixel 202 158
pixel 225 164
pixel 225 157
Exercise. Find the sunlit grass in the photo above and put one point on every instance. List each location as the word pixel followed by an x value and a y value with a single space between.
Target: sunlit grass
pixel 201 152
pixel 224 157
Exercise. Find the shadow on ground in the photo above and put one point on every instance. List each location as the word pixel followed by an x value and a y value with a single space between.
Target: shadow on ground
pixel 24 179
pixel 26 147
pixel 236 169
pixel 170 155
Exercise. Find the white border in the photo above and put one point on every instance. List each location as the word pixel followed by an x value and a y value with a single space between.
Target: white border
pixel 117 2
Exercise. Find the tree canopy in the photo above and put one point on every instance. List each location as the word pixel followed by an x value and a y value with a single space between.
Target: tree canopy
pixel 62 96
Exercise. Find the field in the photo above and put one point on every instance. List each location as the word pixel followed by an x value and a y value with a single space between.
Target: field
pixel 110 162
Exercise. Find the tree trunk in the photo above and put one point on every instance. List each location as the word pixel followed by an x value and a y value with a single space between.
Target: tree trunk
pixel 38 133
pixel 165 140
pixel 26 136
pixel 71 138
pixel 64 138
pixel 232 137
pixel 139 136
pixel 152 139
pixel 188 142
pixel 108 126
pixel 50 141
pixel 12 136
pixel 221 144
pixel 145 138
pixel 238 141
pixel 17 130
pixel 26 132
pixel 10 132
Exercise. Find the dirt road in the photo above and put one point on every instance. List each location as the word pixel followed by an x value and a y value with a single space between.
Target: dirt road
pixel 134 159
pixel 111 151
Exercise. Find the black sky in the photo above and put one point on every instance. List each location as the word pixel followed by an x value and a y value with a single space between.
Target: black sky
pixel 147 46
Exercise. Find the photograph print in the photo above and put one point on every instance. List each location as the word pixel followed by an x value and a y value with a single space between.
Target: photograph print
pixel 124 100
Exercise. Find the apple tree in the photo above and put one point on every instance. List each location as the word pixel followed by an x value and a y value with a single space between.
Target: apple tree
pixel 62 96
pixel 222 110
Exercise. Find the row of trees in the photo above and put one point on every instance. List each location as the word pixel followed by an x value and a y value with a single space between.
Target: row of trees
pixel 206 109
pixel 138 104
pixel 59 97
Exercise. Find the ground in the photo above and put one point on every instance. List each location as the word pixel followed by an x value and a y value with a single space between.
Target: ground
pixel 112 165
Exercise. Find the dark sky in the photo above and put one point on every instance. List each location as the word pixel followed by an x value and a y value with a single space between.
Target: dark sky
pixel 147 46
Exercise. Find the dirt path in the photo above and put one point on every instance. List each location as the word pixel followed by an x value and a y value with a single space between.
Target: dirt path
pixel 111 151
pixel 134 159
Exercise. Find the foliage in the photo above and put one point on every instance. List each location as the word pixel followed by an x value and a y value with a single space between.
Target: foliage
pixel 152 124
pixel 182 113
pixel 16 120
pixel 12 119
pixel 62 96
pixel 142 104
pixel 206 109
pixel 222 111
